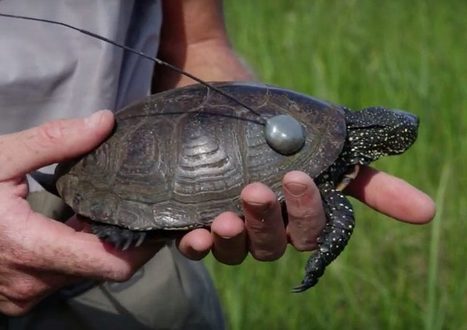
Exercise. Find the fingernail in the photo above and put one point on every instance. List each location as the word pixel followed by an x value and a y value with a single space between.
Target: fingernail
pixel 94 120
pixel 259 208
pixel 296 189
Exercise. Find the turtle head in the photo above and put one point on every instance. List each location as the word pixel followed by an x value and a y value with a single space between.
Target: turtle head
pixel 376 131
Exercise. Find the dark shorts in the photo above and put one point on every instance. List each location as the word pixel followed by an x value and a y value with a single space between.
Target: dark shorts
pixel 169 292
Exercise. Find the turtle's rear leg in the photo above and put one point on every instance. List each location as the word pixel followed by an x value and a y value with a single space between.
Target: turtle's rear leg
pixel 119 237
pixel 333 239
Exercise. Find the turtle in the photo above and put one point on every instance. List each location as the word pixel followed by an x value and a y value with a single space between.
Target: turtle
pixel 178 158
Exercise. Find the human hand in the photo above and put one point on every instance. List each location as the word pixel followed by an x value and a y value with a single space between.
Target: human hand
pixel 39 255
pixel 264 233
pixel 201 46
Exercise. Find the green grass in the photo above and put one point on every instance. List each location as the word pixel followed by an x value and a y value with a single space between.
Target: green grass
pixel 402 54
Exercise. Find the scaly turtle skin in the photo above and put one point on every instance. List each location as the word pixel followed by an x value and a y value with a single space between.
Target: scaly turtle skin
pixel 179 158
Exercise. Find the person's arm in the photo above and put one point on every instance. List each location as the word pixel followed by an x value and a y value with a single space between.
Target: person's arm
pixel 194 38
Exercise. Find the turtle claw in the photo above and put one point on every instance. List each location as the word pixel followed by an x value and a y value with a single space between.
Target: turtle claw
pixel 126 245
pixel 305 285
pixel 299 289
pixel 141 238
pixel 121 238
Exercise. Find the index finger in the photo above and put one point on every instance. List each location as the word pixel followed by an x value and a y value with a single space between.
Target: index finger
pixel 392 196
pixel 51 142
pixel 54 246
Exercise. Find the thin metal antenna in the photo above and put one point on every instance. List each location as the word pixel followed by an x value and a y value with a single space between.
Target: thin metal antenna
pixel 142 54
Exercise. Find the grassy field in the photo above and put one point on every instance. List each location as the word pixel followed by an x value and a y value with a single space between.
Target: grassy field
pixel 402 54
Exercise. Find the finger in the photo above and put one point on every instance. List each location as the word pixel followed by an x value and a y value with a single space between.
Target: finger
pixel 263 220
pixel 196 244
pixel 27 287
pixel 14 308
pixel 229 236
pixel 78 253
pixel 305 210
pixel 52 142
pixel 392 196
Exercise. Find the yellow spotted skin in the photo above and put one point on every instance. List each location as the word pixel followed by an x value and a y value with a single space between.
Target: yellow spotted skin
pixel 371 133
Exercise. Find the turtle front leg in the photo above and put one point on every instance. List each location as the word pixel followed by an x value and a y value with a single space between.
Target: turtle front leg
pixel 333 238
pixel 120 238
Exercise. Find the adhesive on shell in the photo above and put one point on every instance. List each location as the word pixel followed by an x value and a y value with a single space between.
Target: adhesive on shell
pixel 284 134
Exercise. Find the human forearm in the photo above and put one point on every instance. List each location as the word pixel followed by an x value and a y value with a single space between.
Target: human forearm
pixel 199 46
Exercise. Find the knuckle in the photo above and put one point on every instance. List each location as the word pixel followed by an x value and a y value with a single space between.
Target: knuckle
pixel 303 235
pixel 17 300
pixel 303 213
pixel 306 219
pixel 51 132
pixel 305 244
pixel 121 275
pixel 26 290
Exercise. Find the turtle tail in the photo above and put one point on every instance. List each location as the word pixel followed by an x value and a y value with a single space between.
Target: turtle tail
pixel 333 239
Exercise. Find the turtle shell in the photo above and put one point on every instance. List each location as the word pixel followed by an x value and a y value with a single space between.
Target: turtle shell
pixel 179 158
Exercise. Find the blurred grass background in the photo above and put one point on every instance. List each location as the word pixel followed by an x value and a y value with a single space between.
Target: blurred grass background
pixel 402 54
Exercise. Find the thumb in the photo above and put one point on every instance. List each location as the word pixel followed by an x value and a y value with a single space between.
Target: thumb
pixel 52 142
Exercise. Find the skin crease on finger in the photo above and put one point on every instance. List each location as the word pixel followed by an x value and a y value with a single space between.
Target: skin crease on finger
pixel 263 222
pixel 305 212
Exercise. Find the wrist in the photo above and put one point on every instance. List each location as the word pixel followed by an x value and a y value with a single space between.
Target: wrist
pixel 210 60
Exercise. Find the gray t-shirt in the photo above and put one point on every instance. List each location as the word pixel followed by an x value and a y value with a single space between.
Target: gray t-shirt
pixel 49 71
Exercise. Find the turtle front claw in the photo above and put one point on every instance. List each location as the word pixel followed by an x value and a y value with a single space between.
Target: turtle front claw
pixel 120 238
pixel 305 285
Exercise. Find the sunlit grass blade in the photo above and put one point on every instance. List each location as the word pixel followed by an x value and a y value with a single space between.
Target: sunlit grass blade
pixel 433 316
